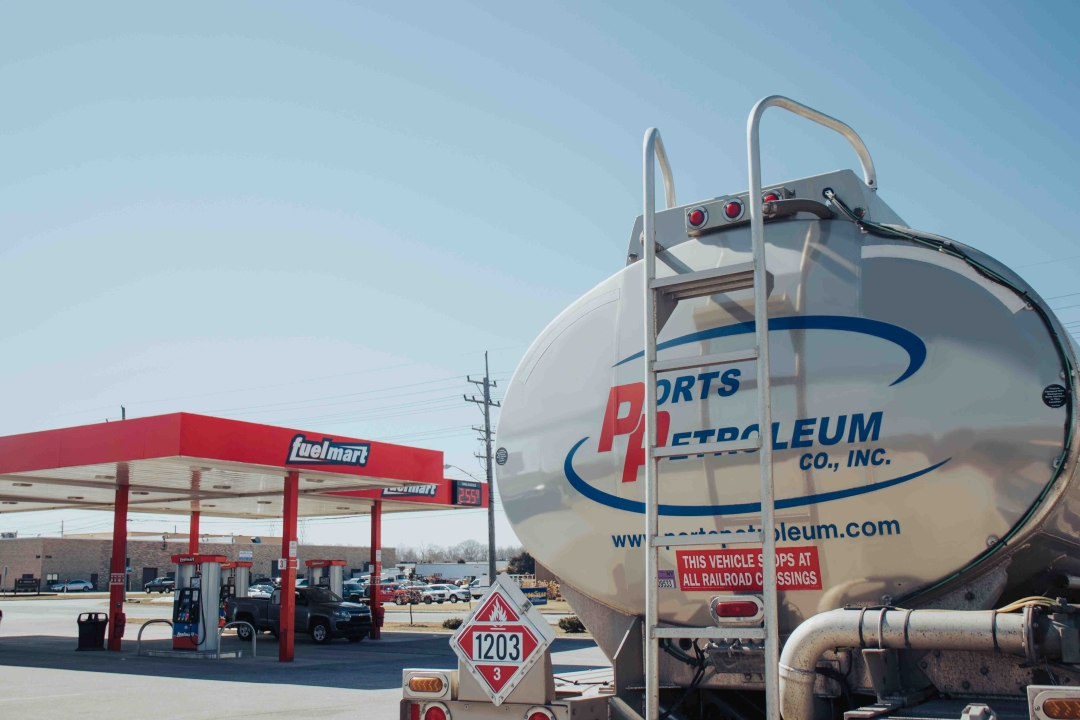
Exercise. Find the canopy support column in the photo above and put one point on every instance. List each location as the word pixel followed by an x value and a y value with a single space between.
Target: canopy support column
pixel 376 570
pixel 193 534
pixel 287 619
pixel 118 564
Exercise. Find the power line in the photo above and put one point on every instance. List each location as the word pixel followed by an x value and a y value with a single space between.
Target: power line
pixel 277 385
pixel 1046 262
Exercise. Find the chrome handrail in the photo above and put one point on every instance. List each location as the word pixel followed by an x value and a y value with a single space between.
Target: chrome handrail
pixel 138 640
pixel 654 146
pixel 869 174
pixel 233 624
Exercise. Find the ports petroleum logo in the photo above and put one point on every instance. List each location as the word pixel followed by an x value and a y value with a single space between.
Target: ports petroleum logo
pixel 624 415
pixel 326 452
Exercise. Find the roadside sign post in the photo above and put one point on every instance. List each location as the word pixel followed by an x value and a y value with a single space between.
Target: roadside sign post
pixel 502 640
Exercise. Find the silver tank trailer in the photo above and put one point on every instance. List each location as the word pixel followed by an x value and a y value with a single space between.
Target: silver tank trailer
pixel 923 434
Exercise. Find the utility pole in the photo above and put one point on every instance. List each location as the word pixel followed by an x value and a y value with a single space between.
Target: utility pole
pixel 487 403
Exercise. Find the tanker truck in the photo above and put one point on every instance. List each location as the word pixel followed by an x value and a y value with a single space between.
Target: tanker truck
pixel 795 458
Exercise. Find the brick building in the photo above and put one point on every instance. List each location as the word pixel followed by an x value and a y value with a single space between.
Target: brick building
pixel 58 559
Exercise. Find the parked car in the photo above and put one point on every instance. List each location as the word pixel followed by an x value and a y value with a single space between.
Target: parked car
pixel 434 593
pixel 453 593
pixel 260 591
pixel 272 582
pixel 319 612
pixel 353 590
pixel 387 588
pixel 161 585
pixel 72 586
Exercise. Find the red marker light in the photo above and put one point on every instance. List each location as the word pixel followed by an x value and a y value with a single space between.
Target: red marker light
pixel 733 210
pixel 435 713
pixel 540 714
pixel 736 609
pixel 696 217
pixel 771 197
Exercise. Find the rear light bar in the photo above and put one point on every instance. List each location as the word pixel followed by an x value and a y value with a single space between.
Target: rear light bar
pixel 737 610
pixel 725 212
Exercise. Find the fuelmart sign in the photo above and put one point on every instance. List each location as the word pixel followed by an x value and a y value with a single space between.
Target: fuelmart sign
pixel 502 640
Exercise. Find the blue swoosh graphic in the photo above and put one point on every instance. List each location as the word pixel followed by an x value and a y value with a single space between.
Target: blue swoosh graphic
pixel 737 509
pixel 909 341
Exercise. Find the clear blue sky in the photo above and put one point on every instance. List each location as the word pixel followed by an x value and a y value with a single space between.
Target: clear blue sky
pixel 296 213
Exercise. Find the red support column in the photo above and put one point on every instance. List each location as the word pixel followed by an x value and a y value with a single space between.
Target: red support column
pixel 118 565
pixel 376 570
pixel 287 620
pixel 193 534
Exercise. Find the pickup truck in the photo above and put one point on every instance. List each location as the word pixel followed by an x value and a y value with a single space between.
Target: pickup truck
pixel 319 612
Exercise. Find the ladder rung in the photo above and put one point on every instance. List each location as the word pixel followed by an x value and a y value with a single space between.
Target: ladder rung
pixel 703 360
pixel 707 282
pixel 710 633
pixel 717 539
pixel 706 448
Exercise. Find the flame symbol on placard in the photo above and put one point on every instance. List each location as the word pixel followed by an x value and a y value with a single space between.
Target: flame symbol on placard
pixel 497 613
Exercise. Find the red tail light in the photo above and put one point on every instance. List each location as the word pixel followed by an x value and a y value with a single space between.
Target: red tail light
pixel 736 609
pixel 733 210
pixel 436 712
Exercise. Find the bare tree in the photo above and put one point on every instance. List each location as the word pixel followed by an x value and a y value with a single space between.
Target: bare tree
pixel 508 551
pixel 470 551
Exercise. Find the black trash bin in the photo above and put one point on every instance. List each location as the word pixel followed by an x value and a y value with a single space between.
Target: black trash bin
pixel 92 631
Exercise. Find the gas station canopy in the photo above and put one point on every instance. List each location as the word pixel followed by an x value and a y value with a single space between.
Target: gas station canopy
pixel 184 463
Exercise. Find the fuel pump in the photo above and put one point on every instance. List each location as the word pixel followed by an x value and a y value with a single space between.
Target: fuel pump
pixel 195 602
pixel 328 574
pixel 234 583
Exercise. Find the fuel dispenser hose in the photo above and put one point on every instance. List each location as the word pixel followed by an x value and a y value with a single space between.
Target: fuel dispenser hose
pixel 948 247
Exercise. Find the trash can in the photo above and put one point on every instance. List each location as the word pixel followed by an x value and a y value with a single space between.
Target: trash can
pixel 92 631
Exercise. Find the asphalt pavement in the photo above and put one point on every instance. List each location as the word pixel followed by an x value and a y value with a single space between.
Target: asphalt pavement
pixel 41 673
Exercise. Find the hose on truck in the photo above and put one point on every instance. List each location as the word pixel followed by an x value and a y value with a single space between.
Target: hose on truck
pixel 948 247
pixel 700 662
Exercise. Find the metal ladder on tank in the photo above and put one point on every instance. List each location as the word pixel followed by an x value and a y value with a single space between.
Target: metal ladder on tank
pixel 662 294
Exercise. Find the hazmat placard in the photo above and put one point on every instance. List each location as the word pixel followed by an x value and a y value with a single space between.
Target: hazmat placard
pixel 739 569
pixel 502 639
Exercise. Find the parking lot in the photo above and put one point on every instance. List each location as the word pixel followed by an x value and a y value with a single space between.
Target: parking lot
pixel 42 673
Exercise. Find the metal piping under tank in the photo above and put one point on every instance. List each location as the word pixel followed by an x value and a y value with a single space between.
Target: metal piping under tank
pixel 894 629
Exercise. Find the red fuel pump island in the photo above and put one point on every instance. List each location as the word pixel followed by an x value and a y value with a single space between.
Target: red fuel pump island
pixel 194 465
pixel 195 602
